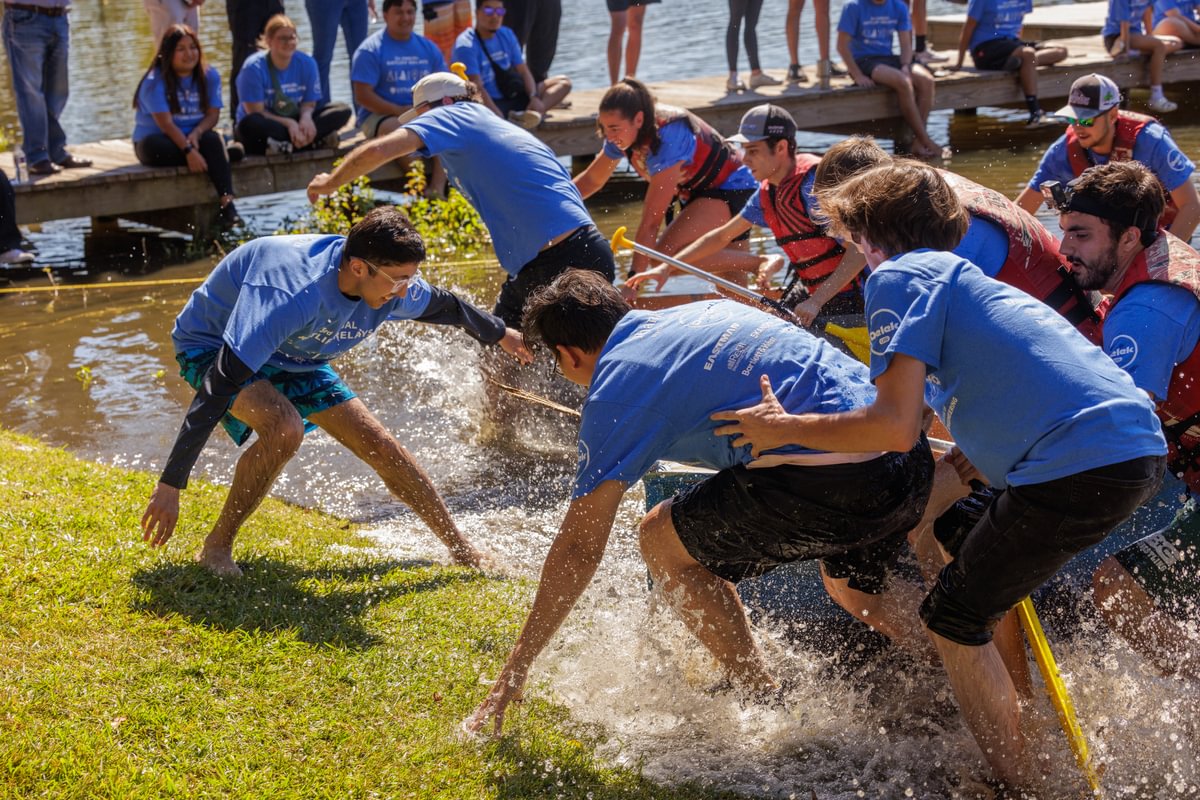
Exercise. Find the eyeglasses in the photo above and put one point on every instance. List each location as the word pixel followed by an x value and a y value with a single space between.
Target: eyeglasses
pixel 490 11
pixel 1082 123
pixel 398 284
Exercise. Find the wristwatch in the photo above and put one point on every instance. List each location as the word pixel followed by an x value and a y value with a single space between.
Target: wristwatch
pixel 190 147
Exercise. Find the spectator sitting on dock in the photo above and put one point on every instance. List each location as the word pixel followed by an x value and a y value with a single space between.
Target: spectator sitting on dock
pixel 280 93
pixel 681 157
pixel 865 33
pixel 178 103
pixel 1126 33
pixel 1099 132
pixel 492 56
pixel 387 65
pixel 165 13
pixel 1177 18
pixel 1150 590
pixel 625 16
pixel 11 251
pixel 992 31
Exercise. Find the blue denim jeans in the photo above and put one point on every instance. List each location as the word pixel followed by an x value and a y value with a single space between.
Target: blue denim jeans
pixel 37 47
pixel 325 16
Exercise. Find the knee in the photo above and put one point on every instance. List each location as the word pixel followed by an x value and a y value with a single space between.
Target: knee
pixel 1028 55
pixel 651 529
pixel 282 435
pixel 951 618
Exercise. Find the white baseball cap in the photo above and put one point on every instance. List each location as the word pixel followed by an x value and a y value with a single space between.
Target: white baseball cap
pixel 432 88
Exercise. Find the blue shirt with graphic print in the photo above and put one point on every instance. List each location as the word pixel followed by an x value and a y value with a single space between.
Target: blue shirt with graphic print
pixel 1151 329
pixel 997 19
pixel 152 99
pixel 503 47
pixel 300 81
pixel 871 26
pixel 391 67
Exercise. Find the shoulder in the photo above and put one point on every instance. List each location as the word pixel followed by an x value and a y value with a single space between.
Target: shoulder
pixel 466 38
pixel 304 60
pixel 507 37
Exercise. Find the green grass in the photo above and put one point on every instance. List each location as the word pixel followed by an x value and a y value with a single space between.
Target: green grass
pixel 327 671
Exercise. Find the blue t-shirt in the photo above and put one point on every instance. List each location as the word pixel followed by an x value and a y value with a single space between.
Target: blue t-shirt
pixel 275 300
pixel 871 25
pixel 300 81
pixel 515 182
pixel 985 245
pixel 1153 147
pixel 391 67
pixel 503 47
pixel 1130 11
pixel 152 99
pixel 678 146
pixel 1026 397
pixel 662 374
pixel 1151 329
pixel 997 19
pixel 1186 9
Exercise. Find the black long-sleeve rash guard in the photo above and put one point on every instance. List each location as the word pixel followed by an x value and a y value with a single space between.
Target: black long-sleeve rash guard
pixel 229 374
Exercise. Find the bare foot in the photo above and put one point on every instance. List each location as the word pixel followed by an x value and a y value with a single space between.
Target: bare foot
pixel 219 563
pixel 767 269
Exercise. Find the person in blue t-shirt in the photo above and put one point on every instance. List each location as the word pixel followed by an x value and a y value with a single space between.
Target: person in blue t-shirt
pixel 1099 132
pixel 537 220
pixel 1177 18
pixel 492 55
pixel 654 378
pixel 1150 590
pixel 1070 443
pixel 255 341
pixel 683 159
pixel 386 67
pixel 1127 32
pixel 280 91
pixel 865 32
pixel 992 32
pixel 178 103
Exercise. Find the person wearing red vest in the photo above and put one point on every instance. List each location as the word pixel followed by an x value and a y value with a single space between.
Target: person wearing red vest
pixel 822 273
pixel 682 158
pixel 1151 324
pixel 1101 132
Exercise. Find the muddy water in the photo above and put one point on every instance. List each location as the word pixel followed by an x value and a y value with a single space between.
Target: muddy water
pixel 93 371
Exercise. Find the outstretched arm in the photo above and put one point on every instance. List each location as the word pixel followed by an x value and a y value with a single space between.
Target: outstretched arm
pixel 364 159
pixel 569 567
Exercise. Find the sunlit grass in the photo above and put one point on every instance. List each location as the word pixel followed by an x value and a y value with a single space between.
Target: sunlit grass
pixel 327 671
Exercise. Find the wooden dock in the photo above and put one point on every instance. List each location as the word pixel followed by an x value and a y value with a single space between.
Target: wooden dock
pixel 117 186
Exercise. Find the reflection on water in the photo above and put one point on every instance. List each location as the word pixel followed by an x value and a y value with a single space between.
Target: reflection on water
pixel 869 724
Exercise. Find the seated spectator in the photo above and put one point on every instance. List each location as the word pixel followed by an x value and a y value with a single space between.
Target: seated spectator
pixel 992 31
pixel 325 17
pixel 178 103
pixel 1177 18
pixel 445 20
pixel 280 93
pixel 865 43
pixel 492 56
pixel 11 251
pixel 386 66
pixel 165 13
pixel 1125 34
pixel 625 15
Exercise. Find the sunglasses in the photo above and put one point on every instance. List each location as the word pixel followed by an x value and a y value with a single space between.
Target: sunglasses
pixel 1082 123
pixel 489 11
pixel 398 284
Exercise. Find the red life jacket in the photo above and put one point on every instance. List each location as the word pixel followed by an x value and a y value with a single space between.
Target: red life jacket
pixel 1034 264
pixel 1170 260
pixel 1129 125
pixel 713 161
pixel 813 253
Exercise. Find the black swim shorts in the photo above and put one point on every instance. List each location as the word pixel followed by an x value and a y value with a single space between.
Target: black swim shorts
pixel 742 523
pixel 1000 54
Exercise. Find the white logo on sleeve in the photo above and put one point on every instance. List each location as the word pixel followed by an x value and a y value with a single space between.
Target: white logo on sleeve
pixel 583 458
pixel 1176 160
pixel 1123 350
pixel 884 324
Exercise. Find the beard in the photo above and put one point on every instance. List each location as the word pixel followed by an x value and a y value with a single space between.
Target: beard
pixel 1094 274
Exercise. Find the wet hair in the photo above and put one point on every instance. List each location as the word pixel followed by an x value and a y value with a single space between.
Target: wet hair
pixel 898 206
pixel 385 237
pixel 1126 185
pixel 162 63
pixel 627 97
pixel 846 159
pixel 579 308
pixel 274 25
pixel 389 3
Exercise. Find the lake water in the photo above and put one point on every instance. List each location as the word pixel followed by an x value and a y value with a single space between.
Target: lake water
pixel 93 371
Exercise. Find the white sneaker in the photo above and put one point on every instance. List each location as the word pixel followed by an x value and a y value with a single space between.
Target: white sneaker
pixel 527 119
pixel 1162 105
pixel 276 147
pixel 16 256
pixel 758 79
pixel 734 84
pixel 930 56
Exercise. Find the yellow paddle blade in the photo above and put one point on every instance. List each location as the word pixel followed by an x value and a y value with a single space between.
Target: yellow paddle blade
pixel 1058 692
pixel 459 69
pixel 618 239
pixel 857 339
